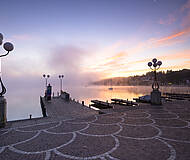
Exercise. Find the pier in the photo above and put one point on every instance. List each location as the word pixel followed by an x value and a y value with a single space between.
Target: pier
pixel 73 131
pixel 59 108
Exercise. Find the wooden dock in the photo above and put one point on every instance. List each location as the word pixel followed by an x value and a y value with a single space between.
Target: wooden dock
pixel 101 104
pixel 123 102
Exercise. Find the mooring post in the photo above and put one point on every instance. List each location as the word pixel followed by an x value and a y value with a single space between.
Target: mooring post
pixel 3 111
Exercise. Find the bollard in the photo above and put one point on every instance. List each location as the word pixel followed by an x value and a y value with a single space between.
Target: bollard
pixel 30 116
pixel 57 94
pixel 3 111
pixel 83 103
pixel 53 95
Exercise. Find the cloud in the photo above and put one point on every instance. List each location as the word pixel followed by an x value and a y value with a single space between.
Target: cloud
pixel 185 6
pixel 174 38
pixel 169 20
pixel 23 37
pixel 110 63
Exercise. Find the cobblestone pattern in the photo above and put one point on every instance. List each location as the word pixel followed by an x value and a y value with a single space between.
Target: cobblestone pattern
pixel 145 134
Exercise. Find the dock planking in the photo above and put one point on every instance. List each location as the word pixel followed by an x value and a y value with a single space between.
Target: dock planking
pixel 101 104
pixel 123 102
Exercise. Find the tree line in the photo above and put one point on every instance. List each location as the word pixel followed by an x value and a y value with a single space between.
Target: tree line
pixel 165 78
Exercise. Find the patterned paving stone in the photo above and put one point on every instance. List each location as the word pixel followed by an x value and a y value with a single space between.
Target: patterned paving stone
pixel 2 132
pixel 179 134
pixel 157 111
pixel 185 116
pixel 137 115
pixel 66 127
pixel 182 150
pixel 88 146
pixel 141 149
pixel 13 137
pixel 108 120
pixel 138 131
pixel 137 121
pixel 38 127
pixel 59 157
pixel 83 120
pixel 9 155
pixel 95 129
pixel 143 133
pixel 170 122
pixel 163 116
pixel 44 141
pixel 115 115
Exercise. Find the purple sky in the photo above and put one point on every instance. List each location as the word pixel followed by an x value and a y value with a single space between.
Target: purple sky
pixel 88 40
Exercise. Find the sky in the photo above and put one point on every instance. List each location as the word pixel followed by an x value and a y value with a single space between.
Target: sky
pixel 88 40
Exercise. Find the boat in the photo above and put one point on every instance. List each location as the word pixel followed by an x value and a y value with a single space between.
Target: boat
pixel 111 88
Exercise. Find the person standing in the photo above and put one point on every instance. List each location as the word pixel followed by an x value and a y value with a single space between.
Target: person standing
pixel 49 90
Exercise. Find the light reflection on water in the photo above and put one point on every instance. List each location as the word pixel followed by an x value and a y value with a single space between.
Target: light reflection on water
pixel 123 92
pixel 22 104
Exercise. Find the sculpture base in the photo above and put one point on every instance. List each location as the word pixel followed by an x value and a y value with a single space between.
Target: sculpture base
pixel 156 97
pixel 3 111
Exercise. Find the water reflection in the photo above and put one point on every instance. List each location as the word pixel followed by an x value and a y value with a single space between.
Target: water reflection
pixel 124 92
pixel 22 103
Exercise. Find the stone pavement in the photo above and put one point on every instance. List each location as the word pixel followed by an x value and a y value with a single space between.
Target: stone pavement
pixel 143 133
pixel 72 109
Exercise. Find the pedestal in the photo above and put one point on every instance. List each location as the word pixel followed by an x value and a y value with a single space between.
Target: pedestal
pixel 156 97
pixel 3 111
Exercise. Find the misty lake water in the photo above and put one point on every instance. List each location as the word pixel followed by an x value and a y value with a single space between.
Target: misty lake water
pixel 22 104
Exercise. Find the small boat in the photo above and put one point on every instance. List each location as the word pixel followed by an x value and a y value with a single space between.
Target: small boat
pixel 111 88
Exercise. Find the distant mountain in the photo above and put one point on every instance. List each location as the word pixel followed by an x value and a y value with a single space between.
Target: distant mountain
pixel 181 77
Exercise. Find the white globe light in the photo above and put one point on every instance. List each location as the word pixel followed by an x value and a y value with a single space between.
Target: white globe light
pixel 1 36
pixel 159 63
pixel 154 60
pixel 8 46
pixel 149 64
pixel 155 65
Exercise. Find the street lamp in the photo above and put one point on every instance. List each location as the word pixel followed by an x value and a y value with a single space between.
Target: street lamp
pixel 155 94
pixel 3 103
pixel 155 65
pixel 8 47
pixel 61 78
pixel 46 77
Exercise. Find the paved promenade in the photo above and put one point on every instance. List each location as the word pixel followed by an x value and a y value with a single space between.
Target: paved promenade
pixel 59 108
pixel 142 133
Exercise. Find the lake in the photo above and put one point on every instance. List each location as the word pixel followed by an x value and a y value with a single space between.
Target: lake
pixel 21 104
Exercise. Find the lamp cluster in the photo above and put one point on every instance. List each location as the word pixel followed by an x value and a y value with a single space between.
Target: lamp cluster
pixel 46 76
pixel 155 63
pixel 61 76
pixel 7 45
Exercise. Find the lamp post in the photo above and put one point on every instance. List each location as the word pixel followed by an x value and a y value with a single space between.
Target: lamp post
pixel 61 78
pixel 46 77
pixel 3 104
pixel 155 94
